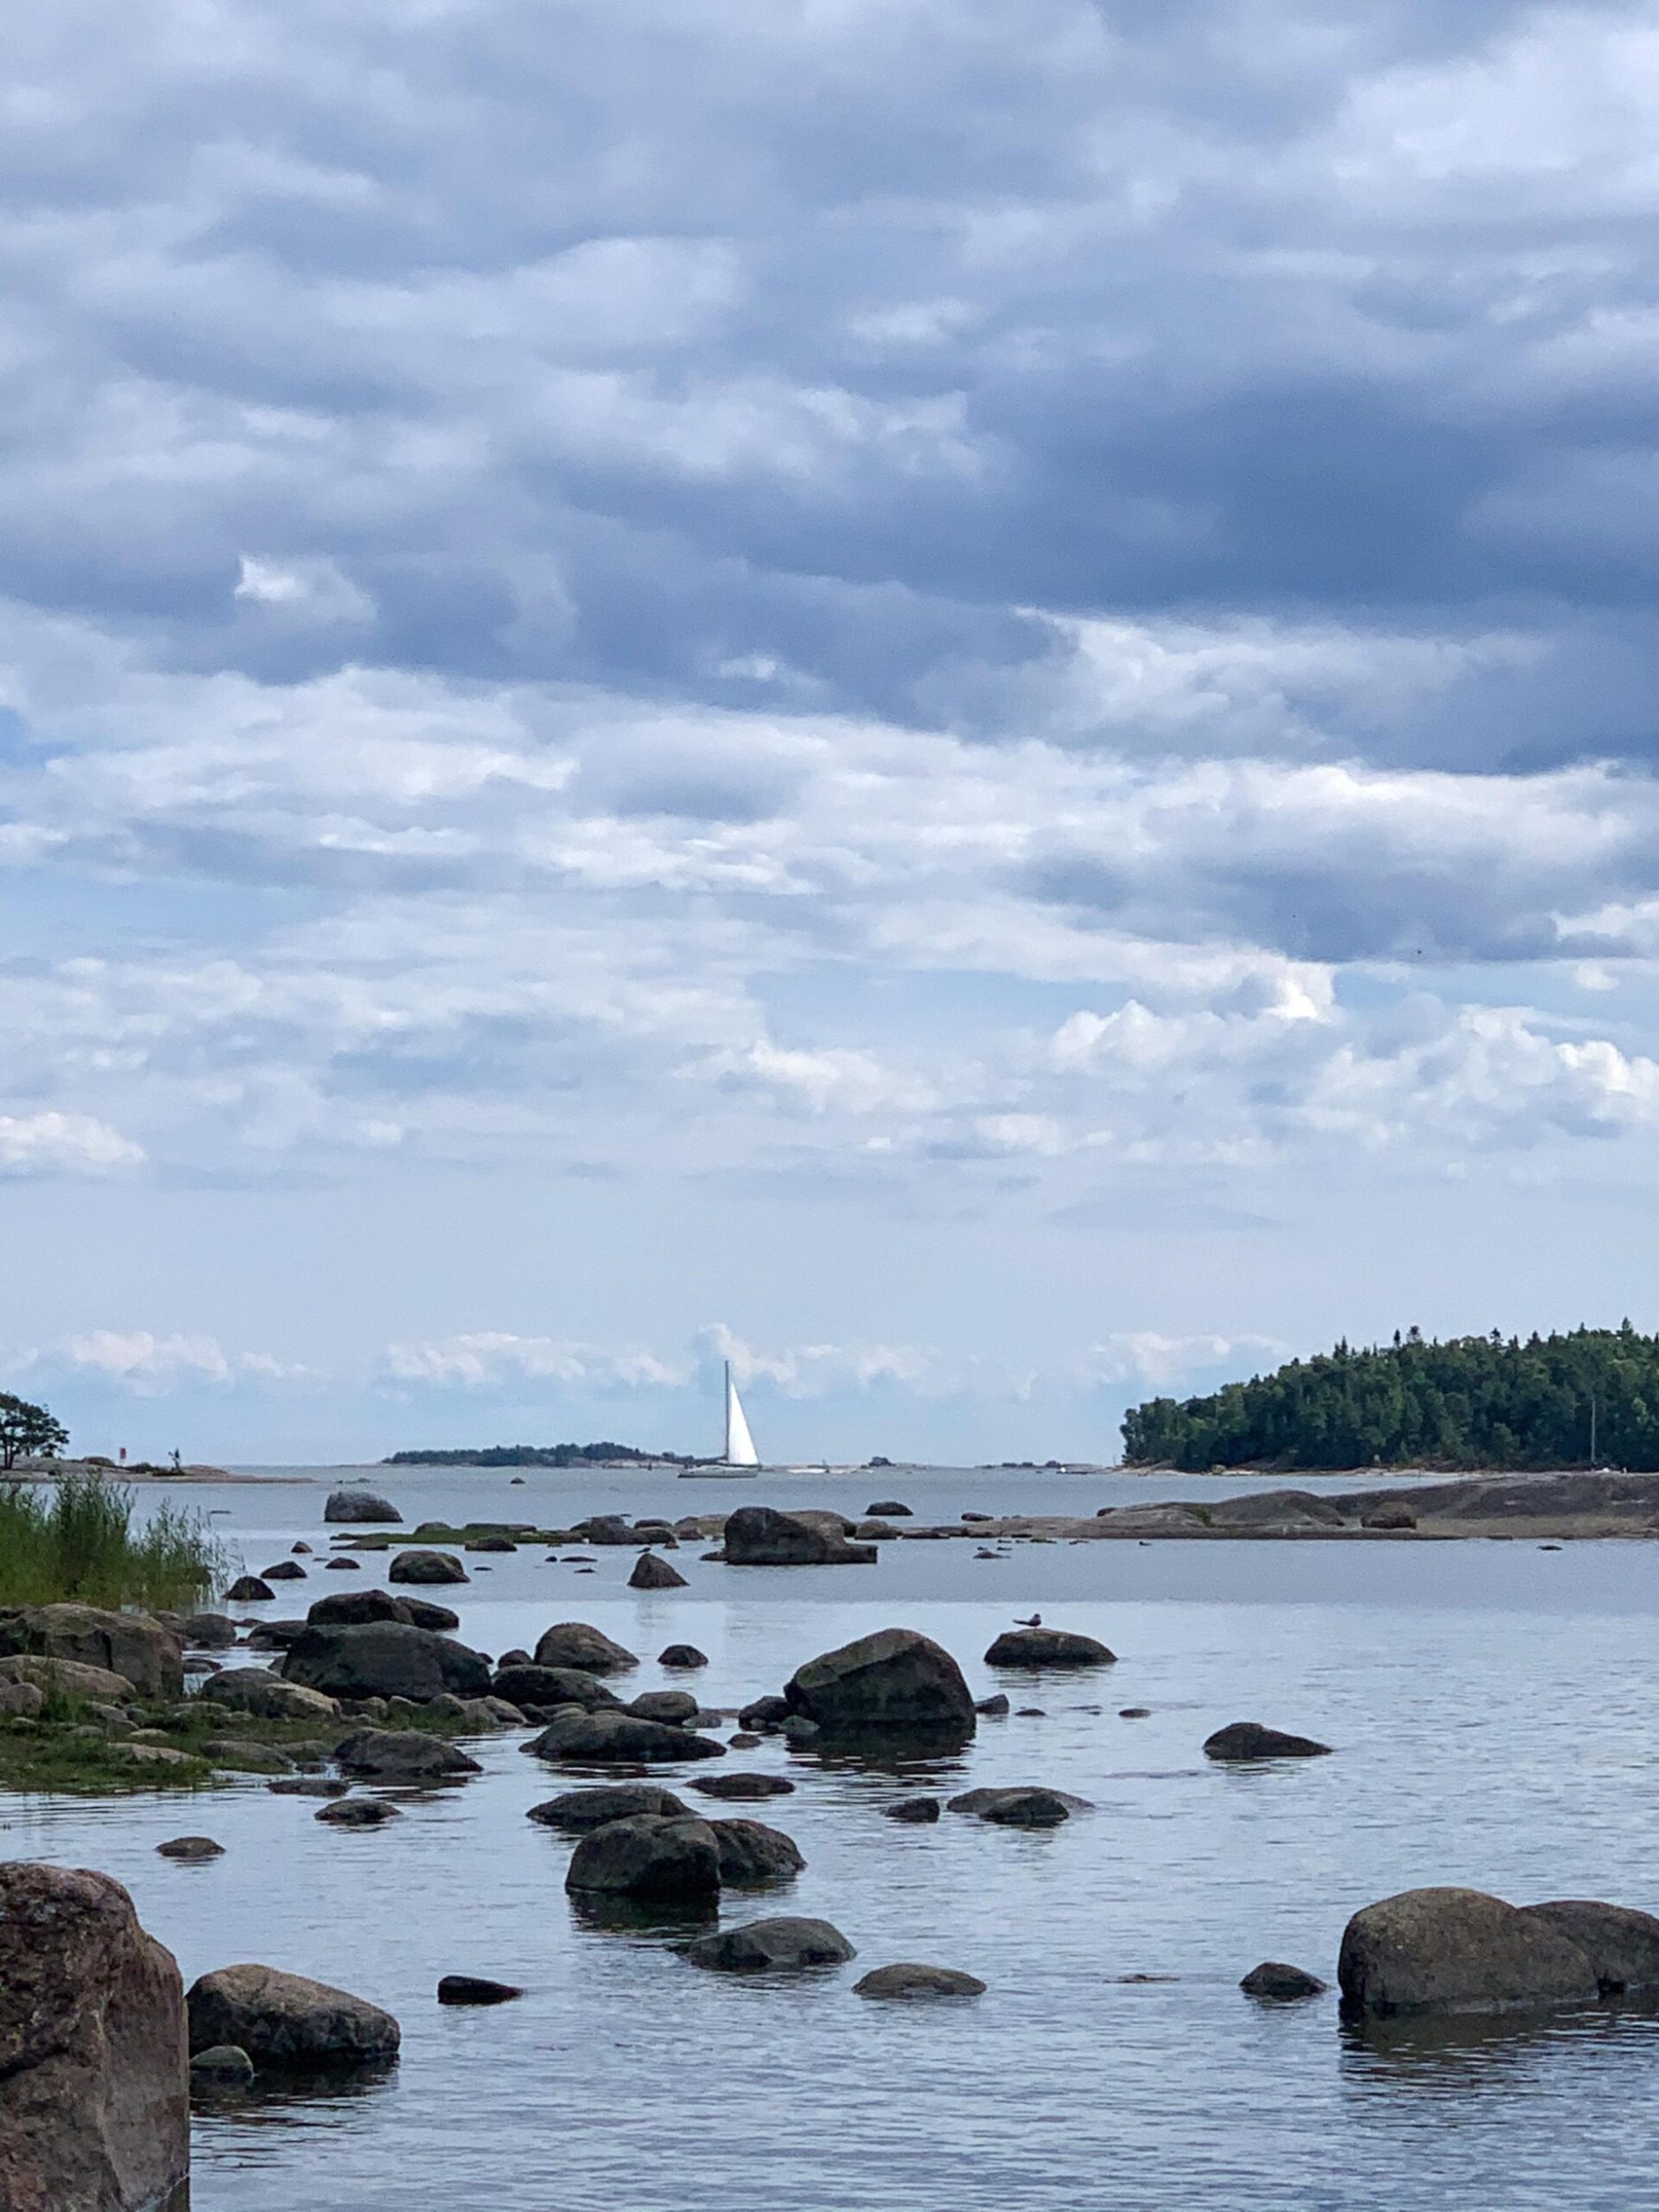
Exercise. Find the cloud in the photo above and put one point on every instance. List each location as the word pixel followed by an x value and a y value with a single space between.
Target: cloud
pixel 58 1143
pixel 152 1366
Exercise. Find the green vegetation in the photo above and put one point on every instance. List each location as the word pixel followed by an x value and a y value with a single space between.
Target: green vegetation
pixel 1588 1397
pixel 76 1539
pixel 28 1431
pixel 537 1455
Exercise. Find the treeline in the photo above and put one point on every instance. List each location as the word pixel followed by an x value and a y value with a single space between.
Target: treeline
pixel 532 1456
pixel 1588 1397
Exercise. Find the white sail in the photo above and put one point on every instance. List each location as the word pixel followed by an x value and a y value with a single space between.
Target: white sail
pixel 740 1445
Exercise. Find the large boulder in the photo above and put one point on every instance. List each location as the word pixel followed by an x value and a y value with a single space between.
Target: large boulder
pixel 608 1739
pixel 548 1687
pixel 267 1696
pixel 897 1679
pixel 284 2020
pixel 426 1567
pixel 360 1505
pixel 385 1659
pixel 94 2102
pixel 782 1945
pixel 578 1811
pixel 1621 1944
pixel 132 1644
pixel 752 1854
pixel 1459 1950
pixel 64 1678
pixel 1245 1739
pixel 358 1609
pixel 676 1706
pixel 673 1860
pixel 402 1754
pixel 1048 1648
pixel 758 1536
pixel 575 1644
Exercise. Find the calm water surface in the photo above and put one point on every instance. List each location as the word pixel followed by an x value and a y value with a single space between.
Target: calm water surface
pixel 1492 1709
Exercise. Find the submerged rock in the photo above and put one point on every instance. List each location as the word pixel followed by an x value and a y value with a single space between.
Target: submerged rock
pixel 915 1811
pixel 1024 1807
pixel 473 1989
pixel 287 2020
pixel 908 1979
pixel 782 1945
pixel 895 1680
pixel 745 1786
pixel 357 1812
pixel 1048 1648
pixel 575 1644
pixel 224 2067
pixel 1459 1950
pixel 94 2097
pixel 191 1847
pixel 1280 1983
pixel 1243 1739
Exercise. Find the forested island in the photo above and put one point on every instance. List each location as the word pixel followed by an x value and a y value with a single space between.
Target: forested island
pixel 538 1455
pixel 1588 1397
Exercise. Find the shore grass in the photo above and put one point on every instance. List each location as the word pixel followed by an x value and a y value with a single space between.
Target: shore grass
pixel 77 1541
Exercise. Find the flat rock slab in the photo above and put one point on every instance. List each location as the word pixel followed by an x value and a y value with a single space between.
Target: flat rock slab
pixel 908 1979
pixel 783 1945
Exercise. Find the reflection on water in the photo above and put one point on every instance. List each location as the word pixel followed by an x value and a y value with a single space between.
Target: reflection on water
pixel 1491 1708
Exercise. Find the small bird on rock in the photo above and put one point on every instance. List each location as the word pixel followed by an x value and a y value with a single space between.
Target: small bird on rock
pixel 1034 1622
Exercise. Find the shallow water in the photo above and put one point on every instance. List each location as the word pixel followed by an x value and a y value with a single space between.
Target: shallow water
pixel 1492 1706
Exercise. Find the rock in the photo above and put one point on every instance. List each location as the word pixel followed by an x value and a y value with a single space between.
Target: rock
pixel 513 1658
pixel 895 1680
pixel 758 1536
pixel 665 1861
pixel 798 1731
pixel 575 1644
pixel 360 1505
pixel 765 1714
pixel 274 1635
pixel 1457 1950
pixel 681 1656
pixel 285 1571
pixel 358 1609
pixel 269 1696
pixel 385 1659
pixel 427 1566
pixel 1048 1648
pixel 1134 1712
pixel 677 1708
pixel 1621 1944
pixel 1248 1740
pixel 422 1613
pixel 246 1758
pixel 139 1650
pixel 357 1812
pixel 752 1854
pixel 652 1573
pixel 249 1590
pixel 1279 1983
pixel 491 1543
pixel 225 2066
pixel 992 1708
pixel 772 1946
pixel 887 1510
pixel 342 1565
pixel 209 1631
pixel 1019 1808
pixel 974 1517
pixel 875 1531
pixel 911 1981
pixel 402 1754
pixel 153 1754
pixel 471 1989
pixel 307 1785
pixel 94 2097
pixel 601 1738
pixel 917 1811
pixel 301 1550
pixel 190 1848
pixel 283 2020
pixel 745 1786
pixel 20 1700
pixel 1393 1513
pixel 579 1810
pixel 554 1685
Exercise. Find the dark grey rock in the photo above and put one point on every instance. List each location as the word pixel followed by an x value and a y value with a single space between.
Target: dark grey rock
pixel 910 1980
pixel 360 1505
pixel 1048 1648
pixel 672 1861
pixel 190 1848
pixel 753 1855
pixel 887 1510
pixel 760 1536
pixel 1280 1983
pixel 285 2020
pixel 1243 1739
pixel 426 1567
pixel 651 1572
pixel 357 1812
pixel 1459 1950
pixel 472 1989
pixel 915 1811
pixel 554 1685
pixel 603 1738
pixel 227 2066
pixel 1621 1944
pixel 575 1644
pixel 681 1656
pixel 772 1946
pixel 402 1754
pixel 579 1810
pixel 677 1707
pixel 764 1715
pixel 992 1708
pixel 1027 1807
pixel 385 1659
pixel 249 1590
pixel 897 1681
pixel 745 1786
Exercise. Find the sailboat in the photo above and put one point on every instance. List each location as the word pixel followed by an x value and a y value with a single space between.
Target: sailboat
pixel 740 1456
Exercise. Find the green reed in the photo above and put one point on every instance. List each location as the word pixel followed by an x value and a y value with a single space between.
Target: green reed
pixel 76 1539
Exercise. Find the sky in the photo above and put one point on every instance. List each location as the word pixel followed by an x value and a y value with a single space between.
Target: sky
pixel 956 699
